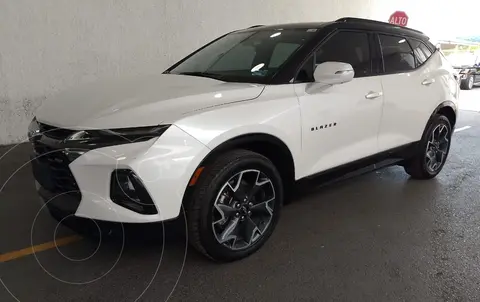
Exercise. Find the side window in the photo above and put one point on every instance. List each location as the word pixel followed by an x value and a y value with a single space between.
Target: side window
pixel 305 74
pixel 421 51
pixel 281 53
pixel 426 50
pixel 397 54
pixel 347 47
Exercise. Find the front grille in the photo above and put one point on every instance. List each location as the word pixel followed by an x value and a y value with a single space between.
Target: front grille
pixel 52 168
pixel 54 132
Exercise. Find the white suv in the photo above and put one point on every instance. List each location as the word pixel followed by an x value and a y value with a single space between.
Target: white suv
pixel 228 130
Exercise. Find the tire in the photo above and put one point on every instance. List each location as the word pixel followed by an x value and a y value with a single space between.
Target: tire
pixel 467 84
pixel 202 209
pixel 420 166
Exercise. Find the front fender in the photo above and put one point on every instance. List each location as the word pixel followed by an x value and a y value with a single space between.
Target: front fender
pixel 277 115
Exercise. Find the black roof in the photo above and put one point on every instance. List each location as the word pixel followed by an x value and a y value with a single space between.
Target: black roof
pixel 345 22
pixel 378 24
pixel 304 25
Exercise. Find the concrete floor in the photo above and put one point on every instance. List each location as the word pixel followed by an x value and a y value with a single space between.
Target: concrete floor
pixel 376 237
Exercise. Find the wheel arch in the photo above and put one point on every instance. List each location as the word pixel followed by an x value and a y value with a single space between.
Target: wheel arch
pixel 268 145
pixel 449 109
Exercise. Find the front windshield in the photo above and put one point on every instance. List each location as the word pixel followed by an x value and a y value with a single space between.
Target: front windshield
pixel 250 56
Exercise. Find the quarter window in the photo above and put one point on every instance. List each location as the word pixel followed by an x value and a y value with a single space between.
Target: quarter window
pixel 421 51
pixel 426 50
pixel 398 56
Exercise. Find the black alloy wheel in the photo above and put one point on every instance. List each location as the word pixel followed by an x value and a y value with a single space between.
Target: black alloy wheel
pixel 437 148
pixel 432 151
pixel 243 209
pixel 235 205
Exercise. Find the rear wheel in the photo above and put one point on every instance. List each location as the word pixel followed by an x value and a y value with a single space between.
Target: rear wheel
pixel 467 84
pixel 235 206
pixel 433 150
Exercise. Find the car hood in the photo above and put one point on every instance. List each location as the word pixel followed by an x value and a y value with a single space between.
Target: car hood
pixel 140 101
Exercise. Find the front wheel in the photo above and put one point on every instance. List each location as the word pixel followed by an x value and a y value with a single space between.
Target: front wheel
pixel 433 149
pixel 235 206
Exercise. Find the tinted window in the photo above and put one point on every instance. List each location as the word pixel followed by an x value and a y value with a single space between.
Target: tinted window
pixel 250 56
pixel 281 52
pixel 426 50
pixel 305 74
pixel 397 54
pixel 422 53
pixel 347 47
pixel 235 59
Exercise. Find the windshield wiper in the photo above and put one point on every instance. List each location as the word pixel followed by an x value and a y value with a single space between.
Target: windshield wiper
pixel 202 74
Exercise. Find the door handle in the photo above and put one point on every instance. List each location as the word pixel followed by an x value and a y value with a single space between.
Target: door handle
pixel 373 95
pixel 428 81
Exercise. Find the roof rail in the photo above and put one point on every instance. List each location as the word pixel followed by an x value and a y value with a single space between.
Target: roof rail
pixel 369 21
pixel 255 26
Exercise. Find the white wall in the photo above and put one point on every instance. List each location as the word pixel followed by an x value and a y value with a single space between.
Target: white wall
pixel 50 45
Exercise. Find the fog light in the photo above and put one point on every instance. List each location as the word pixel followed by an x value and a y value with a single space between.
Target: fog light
pixel 128 191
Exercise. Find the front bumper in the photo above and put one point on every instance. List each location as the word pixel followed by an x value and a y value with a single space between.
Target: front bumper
pixel 164 165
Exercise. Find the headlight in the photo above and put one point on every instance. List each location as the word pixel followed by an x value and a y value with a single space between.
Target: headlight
pixel 139 134
pixel 33 129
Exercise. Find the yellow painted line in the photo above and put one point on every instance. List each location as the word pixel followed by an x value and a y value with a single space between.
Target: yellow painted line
pixel 38 248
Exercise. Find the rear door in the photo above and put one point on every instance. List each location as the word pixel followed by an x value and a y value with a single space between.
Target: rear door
pixel 412 87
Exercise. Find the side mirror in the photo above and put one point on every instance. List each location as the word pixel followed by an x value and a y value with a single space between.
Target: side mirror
pixel 333 73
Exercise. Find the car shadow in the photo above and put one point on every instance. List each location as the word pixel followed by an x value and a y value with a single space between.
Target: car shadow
pixel 174 233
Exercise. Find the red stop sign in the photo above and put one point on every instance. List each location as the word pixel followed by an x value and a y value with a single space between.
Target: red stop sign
pixel 399 18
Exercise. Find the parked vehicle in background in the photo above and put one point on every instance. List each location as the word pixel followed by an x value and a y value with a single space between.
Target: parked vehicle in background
pixel 465 57
pixel 469 72
pixel 225 132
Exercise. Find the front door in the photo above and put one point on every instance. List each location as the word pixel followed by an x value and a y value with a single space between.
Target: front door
pixel 340 123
